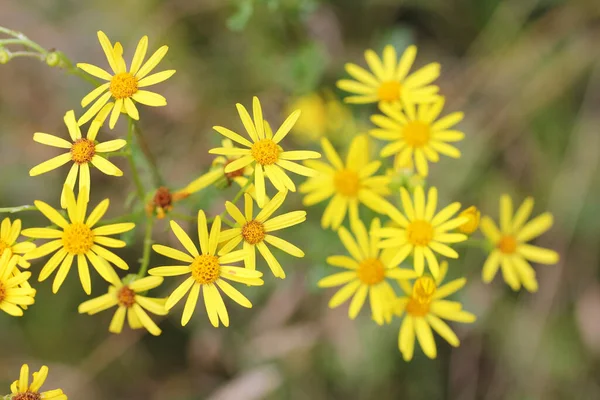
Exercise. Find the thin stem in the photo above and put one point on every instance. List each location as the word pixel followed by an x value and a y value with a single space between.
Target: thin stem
pixel 183 216
pixel 12 210
pixel 117 154
pixel 141 193
pixel 27 54
pixel 147 246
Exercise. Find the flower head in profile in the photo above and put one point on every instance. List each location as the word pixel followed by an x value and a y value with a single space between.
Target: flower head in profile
pixel 77 238
pixel 257 231
pixel 423 307
pixel 389 80
pixel 414 132
pixel 82 152
pixel 422 231
pixel 206 271
pixel 13 296
pixel 124 86
pixel 9 233
pixel 347 184
pixel 511 251
pixel 367 272
pixel 128 296
pixel 22 390
pixel 264 152
pixel 473 214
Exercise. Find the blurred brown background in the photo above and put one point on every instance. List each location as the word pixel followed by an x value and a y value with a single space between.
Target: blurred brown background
pixel 525 72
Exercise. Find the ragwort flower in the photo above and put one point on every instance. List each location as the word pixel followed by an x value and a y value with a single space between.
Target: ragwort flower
pixel 22 390
pixel 9 233
pixel 12 293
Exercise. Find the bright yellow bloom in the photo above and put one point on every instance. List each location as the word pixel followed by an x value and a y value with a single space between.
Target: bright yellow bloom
pixel 22 390
pixel 348 184
pixel 77 238
pixel 414 132
pixel 206 271
pixel 124 86
pixel 473 223
pixel 9 233
pixel 82 152
pixel 424 308
pixel 422 231
pixel 12 294
pixel 264 152
pixel 368 272
pixel 126 295
pixel 511 250
pixel 257 231
pixel 389 80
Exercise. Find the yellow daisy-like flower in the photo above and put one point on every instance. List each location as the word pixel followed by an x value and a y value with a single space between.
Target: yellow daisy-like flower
pixel 82 152
pixel 368 270
pixel 414 132
pixel 22 390
pixel 257 231
pixel 389 80
pixel 422 231
pixel 206 271
pixel 424 307
pixel 124 86
pixel 126 296
pixel 9 233
pixel 348 184
pixel 511 250
pixel 12 294
pixel 264 152
pixel 77 238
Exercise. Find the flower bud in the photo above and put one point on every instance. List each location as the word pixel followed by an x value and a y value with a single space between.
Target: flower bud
pixel 53 59
pixel 4 55
pixel 473 223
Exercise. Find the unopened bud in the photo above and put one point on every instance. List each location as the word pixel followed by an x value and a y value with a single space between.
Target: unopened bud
pixel 4 55
pixel 473 223
pixel 53 59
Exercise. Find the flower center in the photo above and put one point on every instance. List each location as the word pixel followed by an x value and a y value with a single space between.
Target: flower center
pixel 3 246
pixel 162 197
pixel 233 174
pixel 419 232
pixel 389 91
pixel 371 271
pixel 507 244
pixel 253 232
pixel 82 151
pixel 206 269
pixel 123 85
pixel 346 182
pixel 265 152
pixel 27 396
pixel 423 291
pixel 126 297
pixel 78 238
pixel 416 134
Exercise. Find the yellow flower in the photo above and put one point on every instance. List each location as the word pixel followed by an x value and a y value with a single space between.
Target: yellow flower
pixel 206 271
pixel 473 223
pixel 130 303
pixel 511 250
pixel 414 132
pixel 422 231
pixel 424 308
pixel 77 238
pixel 82 152
pixel 257 231
pixel 12 296
pixel 264 152
pixel 389 80
pixel 9 233
pixel 368 272
pixel 124 86
pixel 349 184
pixel 22 390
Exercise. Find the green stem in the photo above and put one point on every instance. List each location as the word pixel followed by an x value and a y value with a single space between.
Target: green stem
pixel 183 216
pixel 237 196
pixel 12 210
pixel 117 154
pixel 477 243
pixel 147 246
pixel 141 193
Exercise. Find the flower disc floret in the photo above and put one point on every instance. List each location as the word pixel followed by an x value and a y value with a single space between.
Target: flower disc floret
pixel 253 232
pixel 206 269
pixel 419 233
pixel 27 396
pixel 346 182
pixel 507 244
pixel 389 91
pixel 82 151
pixel 265 152
pixel 371 271
pixel 78 238
pixel 123 85
pixel 126 297
pixel 416 134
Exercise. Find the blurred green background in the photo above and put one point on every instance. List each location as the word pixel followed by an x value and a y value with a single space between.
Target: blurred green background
pixel 526 74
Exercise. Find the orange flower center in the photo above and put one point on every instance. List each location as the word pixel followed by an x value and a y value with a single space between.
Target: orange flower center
pixel 419 232
pixel 422 295
pixel 206 269
pixel 346 182
pixel 126 297
pixel 265 152
pixel 78 238
pixel 82 151
pixel 371 271
pixel 507 244
pixel 389 91
pixel 162 197
pixel 123 85
pixel 416 134
pixel 27 396
pixel 253 232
